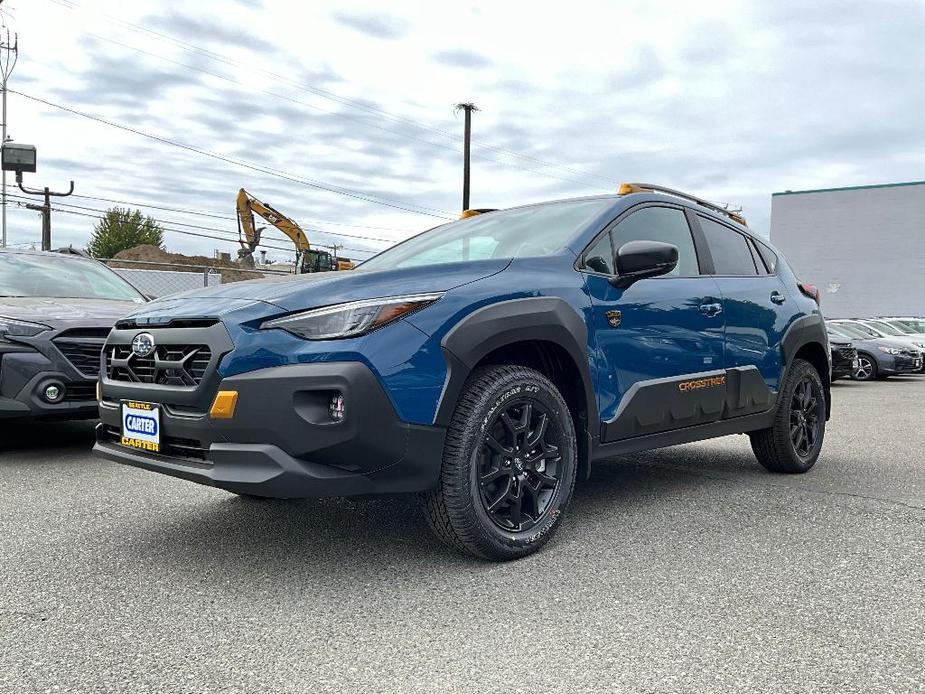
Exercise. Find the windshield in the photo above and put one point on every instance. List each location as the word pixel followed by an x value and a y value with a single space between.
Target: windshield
pixel 886 328
pixel 853 330
pixel 910 325
pixel 523 231
pixel 847 330
pixel 61 277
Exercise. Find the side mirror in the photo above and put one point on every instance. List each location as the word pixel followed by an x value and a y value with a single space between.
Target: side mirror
pixel 637 260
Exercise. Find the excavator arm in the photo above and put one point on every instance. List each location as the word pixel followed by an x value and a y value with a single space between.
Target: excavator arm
pixel 249 234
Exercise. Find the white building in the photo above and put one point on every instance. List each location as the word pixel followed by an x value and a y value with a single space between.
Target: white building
pixel 863 247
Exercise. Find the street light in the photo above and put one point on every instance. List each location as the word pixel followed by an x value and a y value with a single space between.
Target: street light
pixel 18 158
pixel 21 159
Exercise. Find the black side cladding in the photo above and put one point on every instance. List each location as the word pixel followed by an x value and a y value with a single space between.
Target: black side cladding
pixel 544 319
pixel 691 400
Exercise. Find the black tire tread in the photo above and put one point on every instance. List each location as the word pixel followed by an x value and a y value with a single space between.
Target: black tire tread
pixel 772 446
pixel 448 509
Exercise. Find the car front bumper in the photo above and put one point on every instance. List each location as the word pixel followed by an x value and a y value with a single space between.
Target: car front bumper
pixel 26 373
pixel 900 364
pixel 281 441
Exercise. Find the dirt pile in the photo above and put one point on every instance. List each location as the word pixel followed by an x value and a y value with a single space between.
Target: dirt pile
pixel 145 257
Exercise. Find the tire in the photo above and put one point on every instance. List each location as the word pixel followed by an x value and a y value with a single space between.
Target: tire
pixel 800 410
pixel 867 368
pixel 492 500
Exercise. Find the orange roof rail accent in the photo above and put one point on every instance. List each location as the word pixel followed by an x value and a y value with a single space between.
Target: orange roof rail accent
pixel 474 212
pixel 627 188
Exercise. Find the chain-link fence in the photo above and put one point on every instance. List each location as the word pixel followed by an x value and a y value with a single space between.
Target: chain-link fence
pixel 157 279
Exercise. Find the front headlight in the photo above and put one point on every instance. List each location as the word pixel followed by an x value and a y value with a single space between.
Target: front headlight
pixel 351 319
pixel 889 350
pixel 10 327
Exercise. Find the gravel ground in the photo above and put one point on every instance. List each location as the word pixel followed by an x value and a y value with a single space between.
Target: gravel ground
pixel 688 569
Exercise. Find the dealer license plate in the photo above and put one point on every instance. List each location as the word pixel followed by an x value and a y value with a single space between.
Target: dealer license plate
pixel 141 426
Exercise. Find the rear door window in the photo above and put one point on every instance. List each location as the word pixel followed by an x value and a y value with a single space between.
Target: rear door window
pixel 729 248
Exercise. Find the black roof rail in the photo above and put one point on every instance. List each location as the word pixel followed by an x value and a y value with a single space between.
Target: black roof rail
pixel 627 188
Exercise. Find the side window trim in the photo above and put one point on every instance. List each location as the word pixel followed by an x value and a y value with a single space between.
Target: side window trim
pixel 756 258
pixel 704 256
pixel 608 229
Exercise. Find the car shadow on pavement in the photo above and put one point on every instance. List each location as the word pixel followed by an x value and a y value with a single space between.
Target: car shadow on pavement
pixel 244 535
pixel 43 437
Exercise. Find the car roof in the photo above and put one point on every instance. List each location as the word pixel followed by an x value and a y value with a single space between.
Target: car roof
pixel 55 254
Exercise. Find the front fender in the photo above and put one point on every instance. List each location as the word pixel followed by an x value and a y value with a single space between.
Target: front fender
pixel 534 319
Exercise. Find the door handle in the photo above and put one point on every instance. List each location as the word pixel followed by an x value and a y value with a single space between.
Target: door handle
pixel 711 310
pixel 777 297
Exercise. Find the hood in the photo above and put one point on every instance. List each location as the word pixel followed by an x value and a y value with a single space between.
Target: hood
pixel 296 292
pixel 66 313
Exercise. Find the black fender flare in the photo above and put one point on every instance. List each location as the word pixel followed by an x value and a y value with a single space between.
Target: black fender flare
pixel 543 319
pixel 808 329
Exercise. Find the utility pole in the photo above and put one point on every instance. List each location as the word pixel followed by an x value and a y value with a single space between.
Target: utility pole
pixel 9 54
pixel 468 108
pixel 334 248
pixel 44 209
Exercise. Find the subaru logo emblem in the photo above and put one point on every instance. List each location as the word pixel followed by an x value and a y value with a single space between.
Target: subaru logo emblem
pixel 143 344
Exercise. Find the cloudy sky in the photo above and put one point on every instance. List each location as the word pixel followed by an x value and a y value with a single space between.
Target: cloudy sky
pixel 341 113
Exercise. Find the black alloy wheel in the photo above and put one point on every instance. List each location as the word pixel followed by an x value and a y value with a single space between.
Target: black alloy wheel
pixel 793 442
pixel 805 414
pixel 519 466
pixel 509 465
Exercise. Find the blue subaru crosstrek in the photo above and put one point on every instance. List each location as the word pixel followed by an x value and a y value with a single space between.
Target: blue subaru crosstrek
pixel 485 364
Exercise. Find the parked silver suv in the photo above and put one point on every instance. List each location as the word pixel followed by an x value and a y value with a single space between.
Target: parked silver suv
pixel 55 313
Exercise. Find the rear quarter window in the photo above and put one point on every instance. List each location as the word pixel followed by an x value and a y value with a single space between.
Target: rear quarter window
pixel 768 256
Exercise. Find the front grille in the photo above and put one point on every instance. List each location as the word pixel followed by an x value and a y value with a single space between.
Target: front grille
pixel 169 365
pixel 82 348
pixel 849 353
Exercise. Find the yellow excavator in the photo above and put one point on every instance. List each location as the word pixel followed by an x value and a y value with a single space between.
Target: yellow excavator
pixel 308 259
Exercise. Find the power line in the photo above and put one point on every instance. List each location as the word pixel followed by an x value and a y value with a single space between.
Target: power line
pixel 196 226
pixel 336 98
pixel 219 215
pixel 311 183
pixel 164 225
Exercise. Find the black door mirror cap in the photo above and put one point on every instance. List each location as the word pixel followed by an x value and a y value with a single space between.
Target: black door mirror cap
pixel 636 260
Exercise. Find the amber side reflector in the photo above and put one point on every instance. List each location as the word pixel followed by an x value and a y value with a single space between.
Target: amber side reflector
pixel 223 407
pixel 99 392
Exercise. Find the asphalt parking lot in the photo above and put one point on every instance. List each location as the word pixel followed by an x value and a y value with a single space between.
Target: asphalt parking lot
pixel 688 569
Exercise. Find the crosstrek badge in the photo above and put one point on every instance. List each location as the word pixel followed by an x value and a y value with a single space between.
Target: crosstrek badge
pixel 698 383
pixel 141 426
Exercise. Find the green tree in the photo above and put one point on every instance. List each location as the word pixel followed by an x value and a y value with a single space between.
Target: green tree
pixel 123 228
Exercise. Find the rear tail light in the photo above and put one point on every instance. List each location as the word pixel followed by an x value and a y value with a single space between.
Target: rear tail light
pixel 810 290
